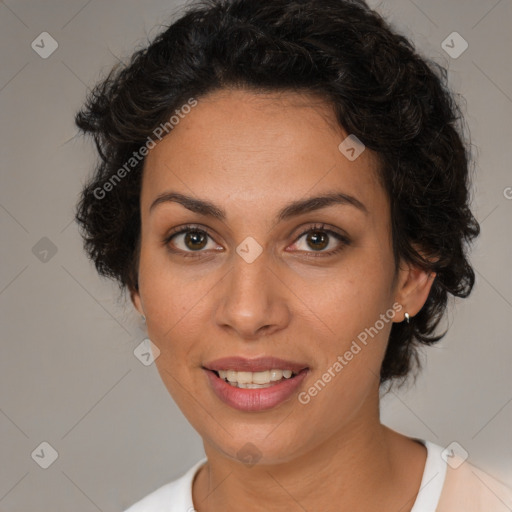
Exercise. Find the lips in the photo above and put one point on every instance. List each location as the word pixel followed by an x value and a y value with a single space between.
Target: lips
pixel 260 364
pixel 261 398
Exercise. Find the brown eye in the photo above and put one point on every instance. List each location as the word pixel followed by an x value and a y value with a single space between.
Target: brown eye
pixel 195 240
pixel 317 240
pixel 189 240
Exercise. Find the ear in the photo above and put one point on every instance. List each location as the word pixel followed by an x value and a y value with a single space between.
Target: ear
pixel 137 301
pixel 413 287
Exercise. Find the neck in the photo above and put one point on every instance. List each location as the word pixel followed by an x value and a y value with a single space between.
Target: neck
pixel 356 469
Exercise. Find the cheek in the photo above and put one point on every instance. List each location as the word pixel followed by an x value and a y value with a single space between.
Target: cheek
pixel 350 351
pixel 173 302
pixel 354 294
pixel 353 319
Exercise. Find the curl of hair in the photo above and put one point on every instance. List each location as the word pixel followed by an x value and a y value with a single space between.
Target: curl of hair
pixel 395 101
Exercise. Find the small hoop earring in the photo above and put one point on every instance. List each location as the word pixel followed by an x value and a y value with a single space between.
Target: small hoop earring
pixel 143 318
pixel 407 317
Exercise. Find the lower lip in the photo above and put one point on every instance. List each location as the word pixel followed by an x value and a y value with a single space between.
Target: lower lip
pixel 251 400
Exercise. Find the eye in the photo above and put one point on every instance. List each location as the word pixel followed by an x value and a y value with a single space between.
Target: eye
pixel 317 238
pixel 189 239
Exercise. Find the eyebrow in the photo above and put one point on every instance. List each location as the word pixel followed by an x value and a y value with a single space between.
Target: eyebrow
pixel 290 210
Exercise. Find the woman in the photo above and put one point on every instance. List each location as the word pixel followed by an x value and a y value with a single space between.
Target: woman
pixel 283 190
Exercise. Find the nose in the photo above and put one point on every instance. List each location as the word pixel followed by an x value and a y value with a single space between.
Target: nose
pixel 253 300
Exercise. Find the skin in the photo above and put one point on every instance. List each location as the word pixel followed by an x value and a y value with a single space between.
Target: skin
pixel 250 154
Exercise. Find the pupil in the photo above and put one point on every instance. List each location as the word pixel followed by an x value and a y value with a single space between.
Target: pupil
pixel 195 237
pixel 318 237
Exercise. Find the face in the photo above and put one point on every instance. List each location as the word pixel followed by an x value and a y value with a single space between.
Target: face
pixel 241 273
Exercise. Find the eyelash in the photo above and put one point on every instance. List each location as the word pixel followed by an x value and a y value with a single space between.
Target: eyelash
pixel 315 254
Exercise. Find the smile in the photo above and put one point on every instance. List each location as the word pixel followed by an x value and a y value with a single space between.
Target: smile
pixel 254 380
pixel 254 384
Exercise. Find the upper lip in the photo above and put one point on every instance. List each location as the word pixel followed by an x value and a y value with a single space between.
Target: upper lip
pixel 258 364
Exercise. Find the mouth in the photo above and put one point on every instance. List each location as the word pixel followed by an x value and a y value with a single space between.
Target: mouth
pixel 254 384
pixel 254 380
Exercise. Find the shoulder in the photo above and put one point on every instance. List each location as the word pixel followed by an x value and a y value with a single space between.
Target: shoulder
pixel 467 488
pixel 450 483
pixel 176 496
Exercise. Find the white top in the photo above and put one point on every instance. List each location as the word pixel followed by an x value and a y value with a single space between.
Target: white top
pixel 455 487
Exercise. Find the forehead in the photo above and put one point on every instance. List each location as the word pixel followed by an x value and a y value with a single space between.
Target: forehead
pixel 239 146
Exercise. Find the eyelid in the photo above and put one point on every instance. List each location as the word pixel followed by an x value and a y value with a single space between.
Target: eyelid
pixel 320 226
pixel 184 229
pixel 342 238
pixel 338 234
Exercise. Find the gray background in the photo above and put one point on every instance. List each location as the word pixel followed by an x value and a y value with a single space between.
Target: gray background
pixel 68 375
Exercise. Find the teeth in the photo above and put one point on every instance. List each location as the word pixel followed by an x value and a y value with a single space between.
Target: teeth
pixel 244 378
pixel 276 375
pixel 257 386
pixel 254 380
pixel 261 377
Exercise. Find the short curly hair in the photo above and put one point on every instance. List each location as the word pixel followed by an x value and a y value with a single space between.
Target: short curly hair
pixel 381 90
